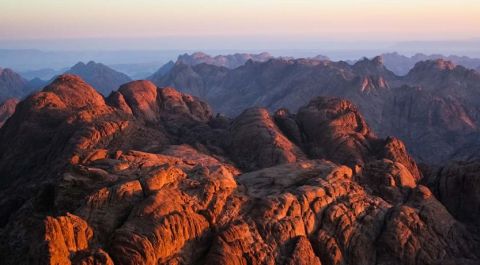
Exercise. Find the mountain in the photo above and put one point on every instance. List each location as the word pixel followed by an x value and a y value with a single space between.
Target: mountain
pixel 150 176
pixel 100 76
pixel 401 64
pixel 321 58
pixel 7 108
pixel 277 83
pixel 12 85
pixel 162 71
pixel 230 61
pixel 434 107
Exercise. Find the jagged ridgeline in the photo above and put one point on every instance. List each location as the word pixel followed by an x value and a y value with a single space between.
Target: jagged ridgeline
pixel 434 108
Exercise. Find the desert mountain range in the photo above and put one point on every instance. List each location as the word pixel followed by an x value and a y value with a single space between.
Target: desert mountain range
pixel 150 175
pixel 434 108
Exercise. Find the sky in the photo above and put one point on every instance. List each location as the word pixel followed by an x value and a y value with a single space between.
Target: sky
pixel 229 24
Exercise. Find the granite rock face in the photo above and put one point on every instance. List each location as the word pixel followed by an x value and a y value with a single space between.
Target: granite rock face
pixel 150 176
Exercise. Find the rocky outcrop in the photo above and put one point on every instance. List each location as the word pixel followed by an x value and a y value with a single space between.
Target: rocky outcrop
pixel 256 142
pixel 140 98
pixel 345 136
pixel 374 68
pixel 149 176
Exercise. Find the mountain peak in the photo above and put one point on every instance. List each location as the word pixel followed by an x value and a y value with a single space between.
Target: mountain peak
pixel 74 91
pixel 434 65
pixel 378 60
pixel 444 64
pixel 11 84
pixel 100 76
pixel 68 78
pixel 373 67
pixel 79 65
pixel 89 65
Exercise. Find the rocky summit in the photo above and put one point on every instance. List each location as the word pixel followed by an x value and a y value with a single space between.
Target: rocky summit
pixel 150 175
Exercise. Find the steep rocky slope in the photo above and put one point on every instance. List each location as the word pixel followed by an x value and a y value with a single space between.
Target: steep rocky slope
pixel 161 71
pixel 150 176
pixel 433 108
pixel 7 108
pixel 100 76
pixel 456 185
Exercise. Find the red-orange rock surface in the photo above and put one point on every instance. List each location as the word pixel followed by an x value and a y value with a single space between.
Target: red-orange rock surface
pixel 149 176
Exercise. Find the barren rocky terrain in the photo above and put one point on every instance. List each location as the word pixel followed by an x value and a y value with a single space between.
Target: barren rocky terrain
pixel 150 175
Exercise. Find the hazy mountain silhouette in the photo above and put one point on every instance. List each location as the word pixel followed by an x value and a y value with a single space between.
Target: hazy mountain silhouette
pixel 12 85
pixel 100 76
pixel 401 64
pixel 229 61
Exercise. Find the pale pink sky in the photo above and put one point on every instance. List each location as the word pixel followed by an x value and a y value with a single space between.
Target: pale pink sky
pixel 391 20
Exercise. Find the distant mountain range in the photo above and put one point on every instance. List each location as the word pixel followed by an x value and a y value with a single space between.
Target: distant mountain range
pixel 100 76
pixel 397 63
pixel 229 61
pixel 401 64
pixel 432 107
pixel 435 108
